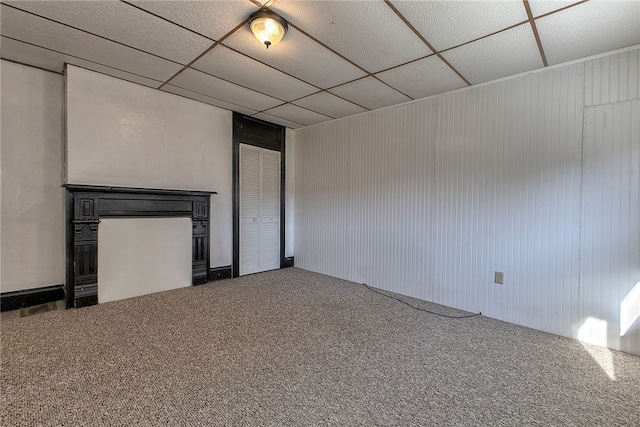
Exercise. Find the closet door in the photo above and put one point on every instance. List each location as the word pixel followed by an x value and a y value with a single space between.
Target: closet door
pixel 259 209
pixel 270 224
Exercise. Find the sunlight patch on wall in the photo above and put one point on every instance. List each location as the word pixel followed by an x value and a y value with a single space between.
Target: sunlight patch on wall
pixel 630 309
pixel 594 331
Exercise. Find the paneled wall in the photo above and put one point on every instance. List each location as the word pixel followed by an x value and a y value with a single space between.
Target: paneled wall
pixel 31 200
pixel 430 198
pixel 610 238
pixel 290 168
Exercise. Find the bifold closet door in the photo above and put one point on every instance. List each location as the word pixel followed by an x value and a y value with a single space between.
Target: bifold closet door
pixel 259 209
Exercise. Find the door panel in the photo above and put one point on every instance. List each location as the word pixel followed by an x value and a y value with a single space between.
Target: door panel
pixel 271 185
pixel 249 182
pixel 249 247
pixel 259 209
pixel 270 245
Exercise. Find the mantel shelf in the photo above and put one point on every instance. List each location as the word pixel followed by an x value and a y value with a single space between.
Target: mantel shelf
pixel 138 190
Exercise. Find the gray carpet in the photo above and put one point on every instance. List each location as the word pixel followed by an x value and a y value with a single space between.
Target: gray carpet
pixel 294 348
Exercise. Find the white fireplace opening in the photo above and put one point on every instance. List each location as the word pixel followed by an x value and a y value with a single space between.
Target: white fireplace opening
pixel 139 256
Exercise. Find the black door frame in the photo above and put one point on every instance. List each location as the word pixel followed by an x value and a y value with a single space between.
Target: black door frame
pixel 259 133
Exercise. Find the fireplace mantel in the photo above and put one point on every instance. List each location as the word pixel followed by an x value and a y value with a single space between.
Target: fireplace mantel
pixel 87 204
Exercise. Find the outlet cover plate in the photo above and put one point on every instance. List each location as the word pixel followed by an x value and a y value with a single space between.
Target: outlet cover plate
pixel 498 278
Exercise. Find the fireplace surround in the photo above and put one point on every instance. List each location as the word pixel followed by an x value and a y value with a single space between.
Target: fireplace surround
pixel 87 204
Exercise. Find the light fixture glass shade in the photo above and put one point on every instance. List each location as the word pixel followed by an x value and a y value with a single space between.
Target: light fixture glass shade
pixel 267 27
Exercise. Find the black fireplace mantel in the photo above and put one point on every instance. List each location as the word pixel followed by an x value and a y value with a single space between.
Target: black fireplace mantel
pixel 87 204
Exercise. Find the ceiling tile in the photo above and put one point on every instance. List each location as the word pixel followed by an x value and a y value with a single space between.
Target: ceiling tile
pixel 207 99
pixel 278 120
pixel 297 55
pixel 242 75
pixel 210 18
pixel 370 93
pixel 368 33
pixel 540 7
pixel 223 90
pixel 44 33
pixel 238 68
pixel 298 114
pixel 50 60
pixel 123 23
pixel 504 54
pixel 445 24
pixel 423 78
pixel 330 105
pixel 588 29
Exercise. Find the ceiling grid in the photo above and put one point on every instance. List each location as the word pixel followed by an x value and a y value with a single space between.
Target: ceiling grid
pixel 535 32
pixel 339 58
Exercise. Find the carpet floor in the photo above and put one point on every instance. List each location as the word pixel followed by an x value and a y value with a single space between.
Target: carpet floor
pixel 296 348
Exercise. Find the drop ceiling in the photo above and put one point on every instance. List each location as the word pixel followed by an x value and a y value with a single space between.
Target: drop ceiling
pixel 339 58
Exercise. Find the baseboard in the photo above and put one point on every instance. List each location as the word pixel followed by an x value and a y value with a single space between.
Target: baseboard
pixel 220 273
pixel 288 262
pixel 30 297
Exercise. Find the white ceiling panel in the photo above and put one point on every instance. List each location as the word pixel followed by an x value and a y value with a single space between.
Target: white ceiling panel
pixel 589 29
pixel 223 90
pixel 321 68
pixel 210 18
pixel 298 55
pixel 207 99
pixel 298 114
pixel 368 33
pixel 20 25
pixel 330 105
pixel 123 23
pixel 445 24
pixel 24 53
pixel 423 78
pixel 504 54
pixel 278 120
pixel 238 68
pixel 370 93
pixel 50 60
pixel 540 7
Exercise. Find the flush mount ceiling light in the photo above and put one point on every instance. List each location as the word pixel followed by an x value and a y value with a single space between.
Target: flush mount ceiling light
pixel 268 27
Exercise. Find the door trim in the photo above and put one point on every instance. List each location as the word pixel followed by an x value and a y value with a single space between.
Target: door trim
pixel 259 133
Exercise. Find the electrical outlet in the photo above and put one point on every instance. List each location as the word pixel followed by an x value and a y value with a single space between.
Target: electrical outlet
pixel 498 278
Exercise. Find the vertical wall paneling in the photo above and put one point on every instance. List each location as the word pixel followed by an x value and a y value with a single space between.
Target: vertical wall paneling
pixel 610 224
pixel 613 78
pixel 429 199
pixel 366 212
pixel 290 167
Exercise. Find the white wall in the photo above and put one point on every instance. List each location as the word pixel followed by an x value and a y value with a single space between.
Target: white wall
pixel 32 224
pixel 123 134
pixel 137 256
pixel 428 199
